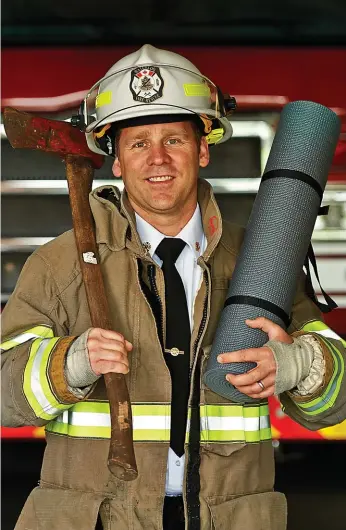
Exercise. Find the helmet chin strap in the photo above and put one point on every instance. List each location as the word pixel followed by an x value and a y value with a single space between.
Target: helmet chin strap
pixel 102 131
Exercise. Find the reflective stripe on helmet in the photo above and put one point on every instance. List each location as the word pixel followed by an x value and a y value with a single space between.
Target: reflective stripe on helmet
pixel 148 82
pixel 151 422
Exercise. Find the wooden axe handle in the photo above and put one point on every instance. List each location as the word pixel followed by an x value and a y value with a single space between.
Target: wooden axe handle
pixel 121 458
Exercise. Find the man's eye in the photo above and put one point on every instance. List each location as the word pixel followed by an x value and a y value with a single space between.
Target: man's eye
pixel 139 144
pixel 173 141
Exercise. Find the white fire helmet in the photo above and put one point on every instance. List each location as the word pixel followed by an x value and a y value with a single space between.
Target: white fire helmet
pixel 152 85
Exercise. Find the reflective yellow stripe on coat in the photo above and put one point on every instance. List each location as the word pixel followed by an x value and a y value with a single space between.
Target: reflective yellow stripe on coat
pixel 151 422
pixel 36 385
pixel 331 392
pixel 33 333
pixel 234 423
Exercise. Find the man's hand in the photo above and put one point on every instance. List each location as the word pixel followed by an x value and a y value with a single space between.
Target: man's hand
pixel 265 371
pixel 108 351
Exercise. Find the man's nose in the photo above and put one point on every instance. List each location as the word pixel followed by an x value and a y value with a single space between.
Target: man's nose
pixel 158 155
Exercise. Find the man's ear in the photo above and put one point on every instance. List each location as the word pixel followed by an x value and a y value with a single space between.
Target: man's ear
pixel 204 153
pixel 116 168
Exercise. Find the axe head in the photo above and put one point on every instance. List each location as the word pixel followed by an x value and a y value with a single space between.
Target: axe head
pixel 27 131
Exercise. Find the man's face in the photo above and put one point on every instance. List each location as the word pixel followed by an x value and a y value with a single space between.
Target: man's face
pixel 159 164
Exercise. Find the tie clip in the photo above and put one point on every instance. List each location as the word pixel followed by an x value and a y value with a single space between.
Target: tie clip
pixel 174 351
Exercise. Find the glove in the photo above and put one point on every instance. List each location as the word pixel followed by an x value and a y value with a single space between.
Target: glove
pixel 78 372
pixel 300 365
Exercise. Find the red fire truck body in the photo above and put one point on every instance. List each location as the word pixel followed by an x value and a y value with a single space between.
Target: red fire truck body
pixel 53 81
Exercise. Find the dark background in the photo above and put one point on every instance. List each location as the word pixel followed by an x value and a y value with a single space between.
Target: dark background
pixel 217 22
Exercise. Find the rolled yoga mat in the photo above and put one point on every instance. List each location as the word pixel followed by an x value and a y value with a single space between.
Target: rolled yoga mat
pixel 277 237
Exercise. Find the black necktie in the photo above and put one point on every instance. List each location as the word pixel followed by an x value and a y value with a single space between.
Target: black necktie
pixel 178 336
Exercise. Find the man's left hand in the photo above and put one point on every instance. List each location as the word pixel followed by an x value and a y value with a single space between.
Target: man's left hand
pixel 265 371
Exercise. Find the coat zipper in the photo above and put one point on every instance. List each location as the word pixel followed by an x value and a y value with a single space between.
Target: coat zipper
pixel 157 295
pixel 153 286
pixel 195 352
pixel 203 322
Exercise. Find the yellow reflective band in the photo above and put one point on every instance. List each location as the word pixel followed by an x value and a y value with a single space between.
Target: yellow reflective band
pixel 225 410
pixel 78 432
pixel 32 333
pixel 151 422
pixel 92 420
pixel 36 386
pixel 196 89
pixel 240 436
pixel 330 394
pixel 319 327
pixel 138 409
pixel 105 98
pixel 215 136
pixel 234 423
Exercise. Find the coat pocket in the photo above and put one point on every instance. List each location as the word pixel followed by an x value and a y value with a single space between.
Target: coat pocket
pixel 259 511
pixel 57 509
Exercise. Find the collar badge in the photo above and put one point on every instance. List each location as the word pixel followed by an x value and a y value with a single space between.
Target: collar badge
pixel 147 246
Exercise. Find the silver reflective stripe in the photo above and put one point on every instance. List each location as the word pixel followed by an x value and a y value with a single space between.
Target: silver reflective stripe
pixel 235 423
pixel 36 385
pixel 329 333
pixel 319 327
pixel 24 337
pixel 41 331
pixel 84 419
pixel 151 422
pixel 265 422
pixel 100 419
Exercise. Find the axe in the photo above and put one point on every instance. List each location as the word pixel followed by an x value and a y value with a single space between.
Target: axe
pixel 33 132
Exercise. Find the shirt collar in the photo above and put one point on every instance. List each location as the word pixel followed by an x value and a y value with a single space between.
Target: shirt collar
pixel 192 234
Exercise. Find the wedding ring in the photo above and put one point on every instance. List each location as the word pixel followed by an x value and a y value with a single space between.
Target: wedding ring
pixel 260 384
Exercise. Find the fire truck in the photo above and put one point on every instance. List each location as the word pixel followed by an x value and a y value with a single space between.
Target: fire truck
pixel 53 82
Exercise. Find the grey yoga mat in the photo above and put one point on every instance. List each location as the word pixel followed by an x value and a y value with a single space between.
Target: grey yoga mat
pixel 277 236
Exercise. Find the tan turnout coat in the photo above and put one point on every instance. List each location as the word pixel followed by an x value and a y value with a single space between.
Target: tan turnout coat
pixel 231 482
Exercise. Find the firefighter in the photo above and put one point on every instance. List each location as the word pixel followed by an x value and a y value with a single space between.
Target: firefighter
pixel 156 114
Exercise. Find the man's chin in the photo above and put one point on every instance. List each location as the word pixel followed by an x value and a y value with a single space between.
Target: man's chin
pixel 163 206
pixel 162 202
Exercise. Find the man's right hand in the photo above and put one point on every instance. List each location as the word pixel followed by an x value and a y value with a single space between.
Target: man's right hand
pixel 108 351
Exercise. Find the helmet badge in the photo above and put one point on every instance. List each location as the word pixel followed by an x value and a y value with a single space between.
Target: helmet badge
pixel 146 84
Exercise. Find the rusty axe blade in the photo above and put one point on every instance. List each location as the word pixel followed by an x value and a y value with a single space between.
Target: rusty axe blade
pixel 27 131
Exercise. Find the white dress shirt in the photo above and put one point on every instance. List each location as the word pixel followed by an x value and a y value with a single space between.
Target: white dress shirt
pixel 191 275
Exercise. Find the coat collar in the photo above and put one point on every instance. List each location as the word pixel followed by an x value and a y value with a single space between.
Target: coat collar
pixel 192 234
pixel 116 224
